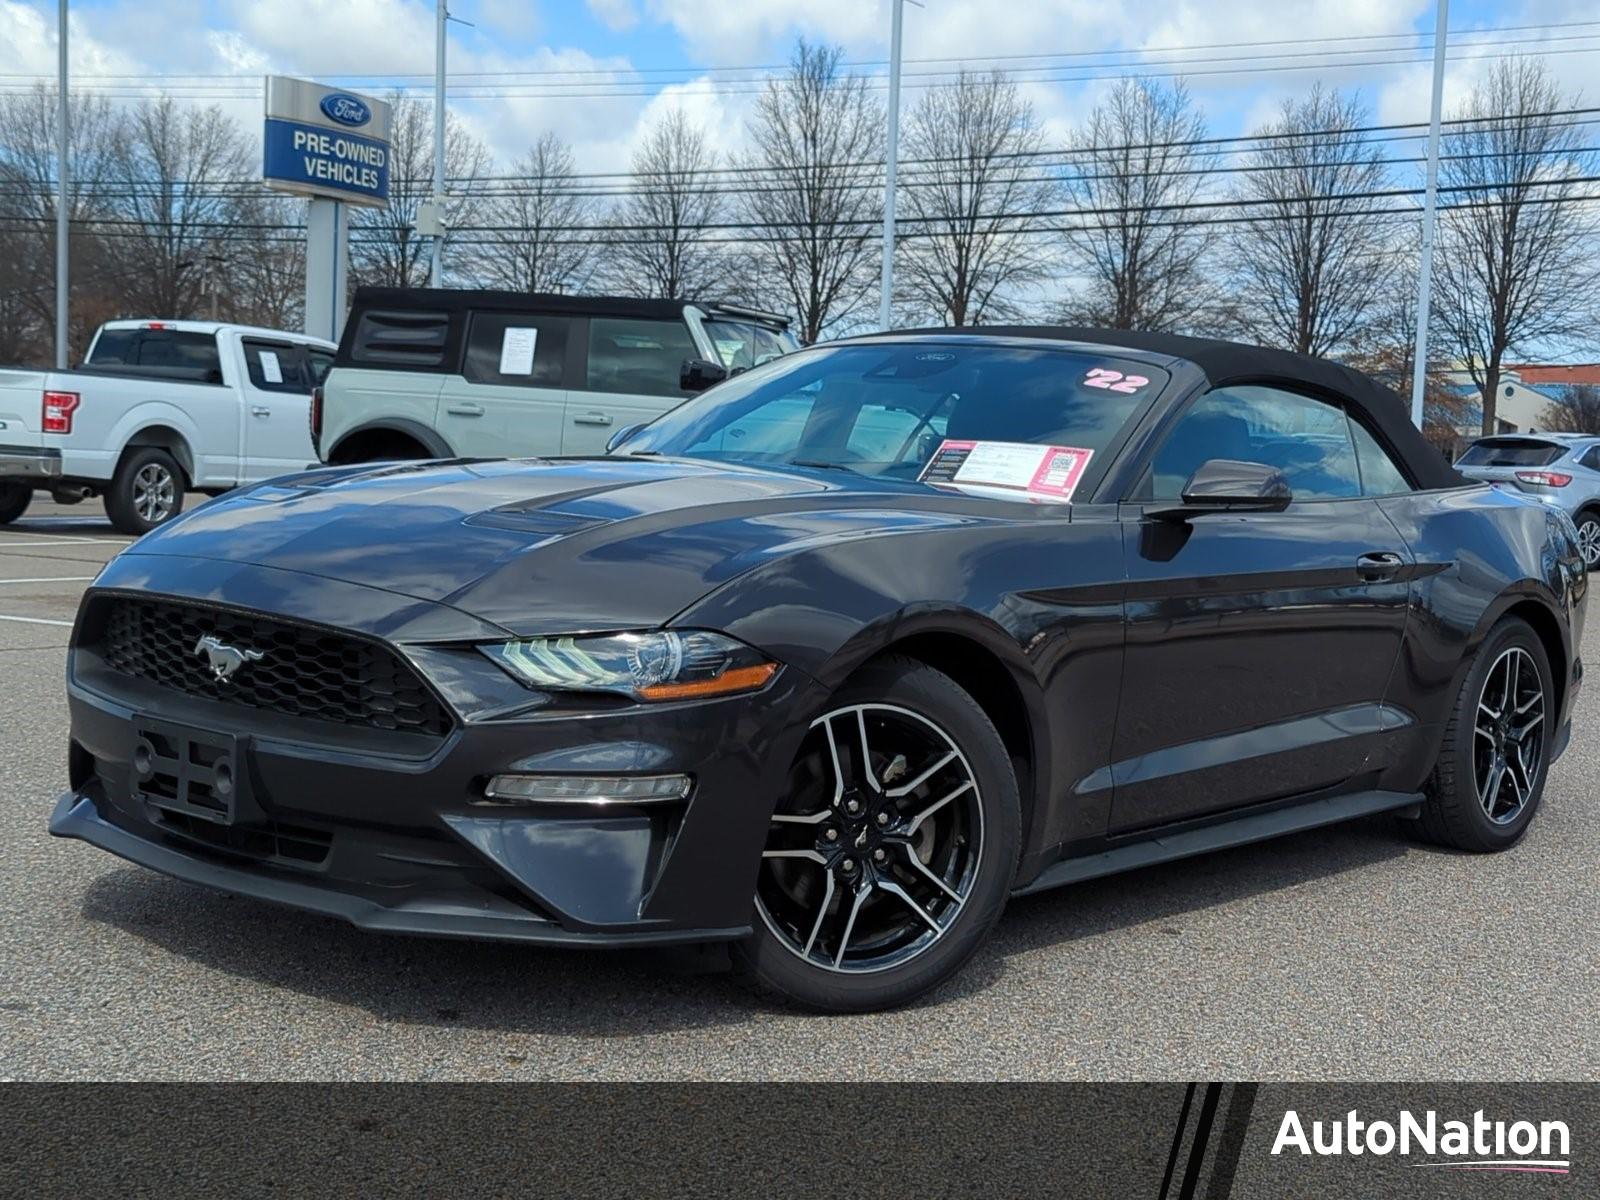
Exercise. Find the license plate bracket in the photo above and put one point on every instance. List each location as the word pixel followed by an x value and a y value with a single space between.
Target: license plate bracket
pixel 196 772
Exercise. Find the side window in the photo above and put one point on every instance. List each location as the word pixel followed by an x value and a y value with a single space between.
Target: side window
pixel 519 349
pixel 275 366
pixel 1308 440
pixel 1379 474
pixel 319 363
pixel 642 358
pixel 400 339
pixel 880 433
pixel 1591 457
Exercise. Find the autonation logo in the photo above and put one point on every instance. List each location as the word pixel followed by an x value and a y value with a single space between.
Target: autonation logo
pixel 1480 1144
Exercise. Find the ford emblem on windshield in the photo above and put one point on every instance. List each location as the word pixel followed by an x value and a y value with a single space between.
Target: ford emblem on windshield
pixel 347 110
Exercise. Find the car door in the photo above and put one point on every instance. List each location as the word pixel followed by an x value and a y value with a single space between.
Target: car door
pixel 1259 645
pixel 632 372
pixel 510 398
pixel 276 392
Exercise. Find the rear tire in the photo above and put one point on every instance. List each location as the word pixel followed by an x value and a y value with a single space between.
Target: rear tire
pixel 146 491
pixel 1588 523
pixel 14 501
pixel 1489 779
pixel 878 885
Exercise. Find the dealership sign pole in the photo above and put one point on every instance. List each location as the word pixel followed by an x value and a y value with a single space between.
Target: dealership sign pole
pixel 332 147
pixel 1430 216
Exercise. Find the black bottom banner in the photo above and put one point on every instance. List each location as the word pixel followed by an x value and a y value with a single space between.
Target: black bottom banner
pixel 1162 1141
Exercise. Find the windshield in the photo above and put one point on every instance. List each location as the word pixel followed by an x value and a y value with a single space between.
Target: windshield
pixel 1508 452
pixel 887 408
pixel 745 344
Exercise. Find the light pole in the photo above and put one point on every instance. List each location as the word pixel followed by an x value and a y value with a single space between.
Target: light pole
pixel 892 164
pixel 1430 216
pixel 63 142
pixel 436 265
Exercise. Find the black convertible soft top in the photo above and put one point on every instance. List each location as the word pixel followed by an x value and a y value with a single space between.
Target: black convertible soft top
pixel 1233 363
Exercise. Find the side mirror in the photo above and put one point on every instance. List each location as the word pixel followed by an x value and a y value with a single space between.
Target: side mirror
pixel 622 435
pixel 698 374
pixel 1227 485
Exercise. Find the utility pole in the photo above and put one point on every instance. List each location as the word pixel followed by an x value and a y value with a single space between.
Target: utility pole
pixel 436 266
pixel 63 172
pixel 1430 217
pixel 892 164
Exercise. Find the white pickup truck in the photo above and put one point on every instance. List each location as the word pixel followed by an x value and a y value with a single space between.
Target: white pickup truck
pixel 156 409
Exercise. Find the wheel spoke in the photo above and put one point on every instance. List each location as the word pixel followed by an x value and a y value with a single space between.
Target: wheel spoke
pixel 906 788
pixel 822 912
pixel 815 818
pixel 866 755
pixel 850 924
pixel 1513 669
pixel 833 753
pixel 894 889
pixel 916 821
pixel 1520 732
pixel 922 868
pixel 809 855
pixel 1491 793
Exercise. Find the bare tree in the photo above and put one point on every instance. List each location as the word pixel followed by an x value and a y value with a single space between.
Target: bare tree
pixel 174 170
pixel 385 248
pixel 1574 408
pixel 812 196
pixel 28 212
pixel 536 241
pixel 658 244
pixel 261 278
pixel 1141 158
pixel 1517 255
pixel 971 199
pixel 1309 262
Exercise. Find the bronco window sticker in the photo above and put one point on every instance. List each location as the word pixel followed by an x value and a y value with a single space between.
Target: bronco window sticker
pixel 1114 381
pixel 1013 470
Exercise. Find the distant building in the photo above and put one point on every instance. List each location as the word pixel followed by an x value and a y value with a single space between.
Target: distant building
pixel 1557 374
pixel 1518 408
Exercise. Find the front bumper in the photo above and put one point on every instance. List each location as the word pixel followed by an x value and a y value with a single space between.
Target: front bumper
pixel 404 843
pixel 17 463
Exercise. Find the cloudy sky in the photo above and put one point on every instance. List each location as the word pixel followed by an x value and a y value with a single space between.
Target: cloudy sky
pixel 598 71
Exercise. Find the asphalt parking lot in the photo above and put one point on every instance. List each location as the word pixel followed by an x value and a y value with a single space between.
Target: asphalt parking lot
pixel 1351 953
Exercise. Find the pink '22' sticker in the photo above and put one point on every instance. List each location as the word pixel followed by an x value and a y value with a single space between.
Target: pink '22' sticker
pixel 1114 381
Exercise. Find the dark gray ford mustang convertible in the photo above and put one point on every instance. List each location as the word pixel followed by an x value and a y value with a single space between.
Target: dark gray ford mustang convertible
pixel 831 660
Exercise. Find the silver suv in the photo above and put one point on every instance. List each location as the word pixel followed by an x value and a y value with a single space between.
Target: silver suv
pixel 1560 469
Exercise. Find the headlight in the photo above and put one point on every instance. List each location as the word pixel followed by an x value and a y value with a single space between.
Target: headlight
pixel 646 666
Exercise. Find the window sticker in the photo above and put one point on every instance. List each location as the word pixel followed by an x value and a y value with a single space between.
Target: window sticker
pixel 516 350
pixel 271 370
pixel 1114 381
pixel 1021 469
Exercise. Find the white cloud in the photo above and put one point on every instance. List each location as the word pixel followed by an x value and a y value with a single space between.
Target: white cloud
pixel 619 16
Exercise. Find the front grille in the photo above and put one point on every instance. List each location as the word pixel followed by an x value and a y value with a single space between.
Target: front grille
pixel 303 671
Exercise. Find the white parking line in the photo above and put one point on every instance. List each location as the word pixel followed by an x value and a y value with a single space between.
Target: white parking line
pixel 36 621
pixel 52 579
pixel 68 542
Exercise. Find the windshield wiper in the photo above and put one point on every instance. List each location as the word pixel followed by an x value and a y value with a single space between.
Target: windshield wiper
pixel 820 465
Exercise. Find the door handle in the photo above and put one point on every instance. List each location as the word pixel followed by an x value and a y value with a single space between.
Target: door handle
pixel 464 410
pixel 259 411
pixel 593 418
pixel 1379 565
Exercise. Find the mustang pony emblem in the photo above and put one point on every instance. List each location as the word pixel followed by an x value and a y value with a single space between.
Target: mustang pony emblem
pixel 224 659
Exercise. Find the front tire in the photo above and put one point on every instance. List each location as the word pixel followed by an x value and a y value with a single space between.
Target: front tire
pixel 893 852
pixel 1489 779
pixel 14 501
pixel 146 491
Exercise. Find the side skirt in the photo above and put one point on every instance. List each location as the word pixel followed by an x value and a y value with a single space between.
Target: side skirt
pixel 1239 831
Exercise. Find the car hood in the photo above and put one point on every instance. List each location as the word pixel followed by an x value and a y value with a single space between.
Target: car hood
pixel 539 547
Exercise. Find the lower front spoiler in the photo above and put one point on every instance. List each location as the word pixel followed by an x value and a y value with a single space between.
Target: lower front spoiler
pixel 75 817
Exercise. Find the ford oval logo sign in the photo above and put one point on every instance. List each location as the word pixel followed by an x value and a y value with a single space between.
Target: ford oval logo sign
pixel 347 110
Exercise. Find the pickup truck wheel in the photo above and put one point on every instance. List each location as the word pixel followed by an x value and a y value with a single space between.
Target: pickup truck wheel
pixel 14 501
pixel 147 491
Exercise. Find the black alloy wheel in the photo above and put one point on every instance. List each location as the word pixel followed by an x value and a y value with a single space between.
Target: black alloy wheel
pixel 894 849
